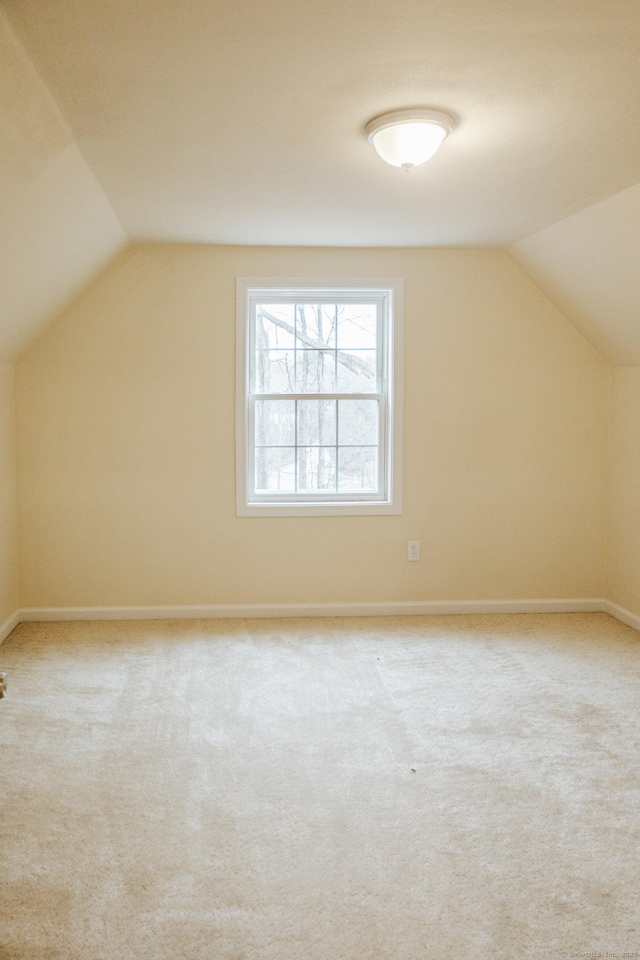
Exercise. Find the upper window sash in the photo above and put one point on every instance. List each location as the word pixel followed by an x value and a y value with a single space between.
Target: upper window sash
pixel 259 298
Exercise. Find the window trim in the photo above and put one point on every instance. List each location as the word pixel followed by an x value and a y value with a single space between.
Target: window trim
pixel 391 289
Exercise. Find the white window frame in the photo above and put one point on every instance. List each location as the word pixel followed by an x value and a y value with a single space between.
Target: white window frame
pixel 251 290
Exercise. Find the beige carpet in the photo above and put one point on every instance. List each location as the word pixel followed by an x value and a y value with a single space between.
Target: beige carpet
pixel 375 789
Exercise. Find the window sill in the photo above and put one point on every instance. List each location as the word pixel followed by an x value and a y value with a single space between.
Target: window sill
pixel 353 508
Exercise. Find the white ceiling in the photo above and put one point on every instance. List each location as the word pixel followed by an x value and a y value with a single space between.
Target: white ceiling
pixel 241 121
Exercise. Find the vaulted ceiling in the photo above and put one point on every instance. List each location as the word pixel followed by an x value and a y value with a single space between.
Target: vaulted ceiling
pixel 242 122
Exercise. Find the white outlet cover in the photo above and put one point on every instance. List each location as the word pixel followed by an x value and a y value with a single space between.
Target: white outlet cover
pixel 413 550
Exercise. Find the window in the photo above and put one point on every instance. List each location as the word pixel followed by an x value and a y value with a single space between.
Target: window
pixel 318 412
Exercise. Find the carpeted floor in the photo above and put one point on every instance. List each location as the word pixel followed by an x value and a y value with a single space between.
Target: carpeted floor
pixel 375 789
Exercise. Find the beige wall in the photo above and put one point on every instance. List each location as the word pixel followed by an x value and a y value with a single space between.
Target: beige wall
pixel 126 460
pixel 8 525
pixel 624 491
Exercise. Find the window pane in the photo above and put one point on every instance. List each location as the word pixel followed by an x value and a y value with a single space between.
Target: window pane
pixel 275 421
pixel 358 469
pixel 316 421
pixel 357 326
pixel 275 468
pixel 316 468
pixel 357 371
pixel 315 371
pixel 275 326
pixel 315 325
pixel 358 422
pixel 274 371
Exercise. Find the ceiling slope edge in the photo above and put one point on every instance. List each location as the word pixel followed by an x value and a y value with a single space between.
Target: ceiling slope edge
pixel 57 227
pixel 588 265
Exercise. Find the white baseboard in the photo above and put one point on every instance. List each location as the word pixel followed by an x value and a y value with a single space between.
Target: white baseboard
pixel 286 610
pixel 361 609
pixel 625 616
pixel 9 625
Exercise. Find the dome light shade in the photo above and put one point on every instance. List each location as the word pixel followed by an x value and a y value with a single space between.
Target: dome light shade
pixel 408 138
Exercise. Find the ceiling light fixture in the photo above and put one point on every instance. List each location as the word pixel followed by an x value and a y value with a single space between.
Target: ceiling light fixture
pixel 407 138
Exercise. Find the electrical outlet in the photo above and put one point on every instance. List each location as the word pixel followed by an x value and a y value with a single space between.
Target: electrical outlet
pixel 413 550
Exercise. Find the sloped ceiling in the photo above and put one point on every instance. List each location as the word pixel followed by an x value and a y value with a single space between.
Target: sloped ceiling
pixel 234 122
pixel 56 225
pixel 589 265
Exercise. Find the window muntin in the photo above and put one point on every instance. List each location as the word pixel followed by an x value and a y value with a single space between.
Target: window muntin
pixel 318 411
